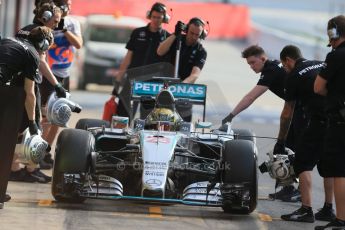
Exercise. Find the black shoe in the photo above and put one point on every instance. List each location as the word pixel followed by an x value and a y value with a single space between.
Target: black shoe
pixel 325 214
pixel 285 191
pixel 39 173
pixel 48 159
pixel 295 196
pixel 300 215
pixel 334 224
pixel 7 198
pixel 45 165
pixel 21 175
pixel 24 176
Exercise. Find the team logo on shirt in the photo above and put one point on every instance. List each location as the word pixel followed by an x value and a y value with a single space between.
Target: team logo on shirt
pixel 142 34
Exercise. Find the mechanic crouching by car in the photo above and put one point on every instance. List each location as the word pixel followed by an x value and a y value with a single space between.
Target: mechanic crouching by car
pixel 141 50
pixel 272 78
pixel 299 87
pixel 19 61
pixel 331 83
pixel 192 55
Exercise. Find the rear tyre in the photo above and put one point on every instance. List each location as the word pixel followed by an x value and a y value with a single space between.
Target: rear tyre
pixel 240 155
pixel 72 156
pixel 88 123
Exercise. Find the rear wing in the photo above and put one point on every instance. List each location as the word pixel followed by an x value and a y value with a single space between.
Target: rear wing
pixel 194 93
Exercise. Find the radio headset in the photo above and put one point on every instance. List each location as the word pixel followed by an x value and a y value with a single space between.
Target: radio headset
pixel 333 32
pixel 199 22
pixel 159 7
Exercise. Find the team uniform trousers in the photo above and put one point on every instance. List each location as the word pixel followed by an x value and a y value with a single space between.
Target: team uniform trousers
pixel 12 106
pixel 332 162
pixel 309 145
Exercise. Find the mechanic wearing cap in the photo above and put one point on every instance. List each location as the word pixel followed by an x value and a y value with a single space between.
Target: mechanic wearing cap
pixel 331 83
pixel 67 38
pixel 19 60
pixel 46 14
pixel 299 87
pixel 192 55
pixel 272 77
pixel 141 50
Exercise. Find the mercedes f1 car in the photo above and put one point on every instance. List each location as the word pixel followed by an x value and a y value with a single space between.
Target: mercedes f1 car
pixel 160 159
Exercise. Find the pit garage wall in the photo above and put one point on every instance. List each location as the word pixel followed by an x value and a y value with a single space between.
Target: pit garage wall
pixel 15 14
pixel 226 20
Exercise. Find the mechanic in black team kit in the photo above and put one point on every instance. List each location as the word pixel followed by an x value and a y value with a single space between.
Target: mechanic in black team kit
pixel 331 83
pixel 192 55
pixel 19 61
pixel 299 87
pixel 49 15
pixel 141 48
pixel 272 78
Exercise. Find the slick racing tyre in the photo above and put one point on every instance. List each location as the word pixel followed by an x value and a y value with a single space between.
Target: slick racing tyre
pixel 240 156
pixel 72 156
pixel 88 123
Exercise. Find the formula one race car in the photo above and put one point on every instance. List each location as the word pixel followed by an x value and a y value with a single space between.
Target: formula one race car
pixel 158 159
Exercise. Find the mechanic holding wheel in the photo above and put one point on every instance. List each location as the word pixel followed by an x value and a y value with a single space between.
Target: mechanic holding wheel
pixel 192 55
pixel 272 77
pixel 141 50
pixel 19 61
pixel 299 87
pixel 46 14
pixel 331 83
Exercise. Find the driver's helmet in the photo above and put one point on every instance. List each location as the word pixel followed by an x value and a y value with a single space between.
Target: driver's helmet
pixel 164 117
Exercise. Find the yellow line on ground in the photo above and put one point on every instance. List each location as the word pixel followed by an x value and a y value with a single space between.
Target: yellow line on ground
pixel 264 217
pixel 45 202
pixel 155 212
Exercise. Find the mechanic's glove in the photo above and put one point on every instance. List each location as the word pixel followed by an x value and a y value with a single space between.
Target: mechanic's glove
pixel 49 148
pixel 179 28
pixel 33 129
pixel 279 147
pixel 77 108
pixel 61 25
pixel 60 91
pixel 228 118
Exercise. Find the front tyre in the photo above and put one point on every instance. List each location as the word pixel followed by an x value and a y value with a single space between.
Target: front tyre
pixel 72 156
pixel 240 156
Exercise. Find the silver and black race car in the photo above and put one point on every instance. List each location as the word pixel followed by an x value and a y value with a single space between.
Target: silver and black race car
pixel 160 158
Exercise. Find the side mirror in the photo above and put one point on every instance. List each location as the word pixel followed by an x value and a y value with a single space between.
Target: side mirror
pixel 203 125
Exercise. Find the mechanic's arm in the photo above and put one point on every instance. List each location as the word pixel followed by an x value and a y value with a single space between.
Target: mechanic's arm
pixel 193 76
pixel 247 100
pixel 123 67
pixel 30 98
pixel 320 86
pixel 285 119
pixel 75 40
pixel 165 45
pixel 45 70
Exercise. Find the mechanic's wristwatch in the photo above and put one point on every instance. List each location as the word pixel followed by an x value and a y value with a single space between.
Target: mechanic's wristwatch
pixel 64 30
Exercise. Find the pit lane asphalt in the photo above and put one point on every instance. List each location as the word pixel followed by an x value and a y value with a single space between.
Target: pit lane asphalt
pixel 33 207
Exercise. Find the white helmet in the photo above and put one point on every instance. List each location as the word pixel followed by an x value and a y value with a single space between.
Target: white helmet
pixel 59 110
pixel 32 149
